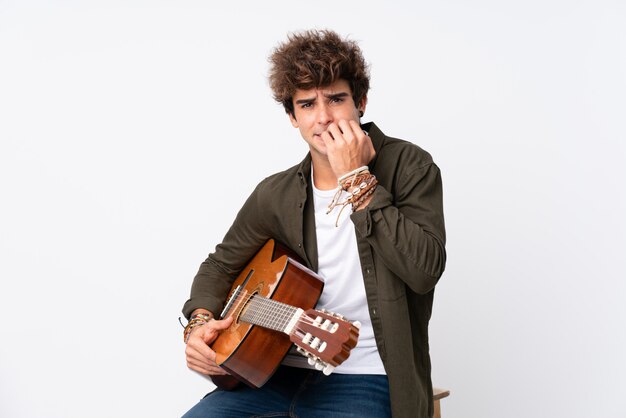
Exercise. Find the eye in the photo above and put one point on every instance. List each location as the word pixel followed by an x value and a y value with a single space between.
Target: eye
pixel 306 105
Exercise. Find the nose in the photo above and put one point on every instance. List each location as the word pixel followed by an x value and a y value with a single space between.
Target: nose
pixel 324 114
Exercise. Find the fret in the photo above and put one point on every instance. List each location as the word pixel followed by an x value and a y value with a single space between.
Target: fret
pixel 268 313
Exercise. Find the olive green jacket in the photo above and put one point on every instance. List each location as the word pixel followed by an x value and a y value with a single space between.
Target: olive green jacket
pixel 401 242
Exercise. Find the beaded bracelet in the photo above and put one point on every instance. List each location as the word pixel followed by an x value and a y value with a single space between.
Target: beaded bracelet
pixel 365 195
pixel 362 187
pixel 195 321
pixel 357 179
pixel 366 185
pixel 353 177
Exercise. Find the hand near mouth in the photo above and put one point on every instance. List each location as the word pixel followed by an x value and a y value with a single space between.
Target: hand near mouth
pixel 347 146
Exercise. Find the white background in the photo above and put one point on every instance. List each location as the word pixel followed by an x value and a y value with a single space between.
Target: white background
pixel 132 131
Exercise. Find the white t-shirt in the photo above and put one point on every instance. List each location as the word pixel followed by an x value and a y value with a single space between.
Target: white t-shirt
pixel 344 290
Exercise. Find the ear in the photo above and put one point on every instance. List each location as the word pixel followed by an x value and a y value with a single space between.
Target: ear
pixel 362 104
pixel 293 120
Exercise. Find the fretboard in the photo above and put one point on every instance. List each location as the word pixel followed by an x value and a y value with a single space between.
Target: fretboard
pixel 268 313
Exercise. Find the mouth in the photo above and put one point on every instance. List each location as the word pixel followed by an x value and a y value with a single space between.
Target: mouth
pixel 319 135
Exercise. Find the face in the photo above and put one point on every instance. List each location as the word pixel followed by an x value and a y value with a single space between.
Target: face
pixel 316 108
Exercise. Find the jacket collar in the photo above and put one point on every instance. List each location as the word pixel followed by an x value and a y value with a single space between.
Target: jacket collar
pixel 378 140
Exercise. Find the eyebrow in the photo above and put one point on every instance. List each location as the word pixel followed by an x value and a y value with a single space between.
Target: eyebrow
pixel 328 96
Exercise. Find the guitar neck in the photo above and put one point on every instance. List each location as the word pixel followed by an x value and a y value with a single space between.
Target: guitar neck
pixel 271 314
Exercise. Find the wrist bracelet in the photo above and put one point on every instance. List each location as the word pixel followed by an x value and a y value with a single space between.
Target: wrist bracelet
pixel 352 173
pixel 195 321
pixel 359 188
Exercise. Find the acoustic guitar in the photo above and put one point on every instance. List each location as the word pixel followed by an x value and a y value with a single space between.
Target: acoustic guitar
pixel 271 302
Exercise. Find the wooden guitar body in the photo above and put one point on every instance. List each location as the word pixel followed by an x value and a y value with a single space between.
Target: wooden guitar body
pixel 250 353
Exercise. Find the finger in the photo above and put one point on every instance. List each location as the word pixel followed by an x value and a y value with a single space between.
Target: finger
pixel 363 139
pixel 354 125
pixel 210 370
pixel 348 130
pixel 336 133
pixel 197 347
pixel 210 331
pixel 220 324
pixel 204 367
pixel 216 370
pixel 356 128
pixel 203 364
pixel 328 139
pixel 198 367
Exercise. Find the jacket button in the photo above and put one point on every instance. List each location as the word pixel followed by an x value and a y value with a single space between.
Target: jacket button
pixel 374 311
pixel 368 271
pixel 299 245
pixel 300 204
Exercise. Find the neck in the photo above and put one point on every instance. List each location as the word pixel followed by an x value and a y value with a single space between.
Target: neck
pixel 271 314
pixel 323 175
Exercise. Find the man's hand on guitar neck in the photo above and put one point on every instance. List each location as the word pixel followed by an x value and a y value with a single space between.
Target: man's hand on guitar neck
pixel 200 357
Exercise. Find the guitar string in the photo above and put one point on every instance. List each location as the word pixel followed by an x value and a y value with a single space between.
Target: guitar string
pixel 263 304
pixel 265 308
pixel 269 313
pixel 304 319
pixel 276 315
pixel 261 314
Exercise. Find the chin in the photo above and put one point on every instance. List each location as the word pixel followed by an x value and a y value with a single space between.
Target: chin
pixel 318 150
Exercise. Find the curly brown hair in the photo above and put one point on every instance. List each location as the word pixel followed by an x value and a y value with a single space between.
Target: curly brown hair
pixel 316 58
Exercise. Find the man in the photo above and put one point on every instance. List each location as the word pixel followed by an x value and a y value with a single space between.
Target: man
pixel 380 249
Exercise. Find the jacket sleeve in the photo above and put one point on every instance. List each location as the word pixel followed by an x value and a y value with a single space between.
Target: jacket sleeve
pixel 217 273
pixel 406 230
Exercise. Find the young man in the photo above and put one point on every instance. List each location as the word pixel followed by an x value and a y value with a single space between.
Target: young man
pixel 380 257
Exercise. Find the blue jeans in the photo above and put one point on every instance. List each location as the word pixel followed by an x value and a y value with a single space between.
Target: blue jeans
pixel 301 393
